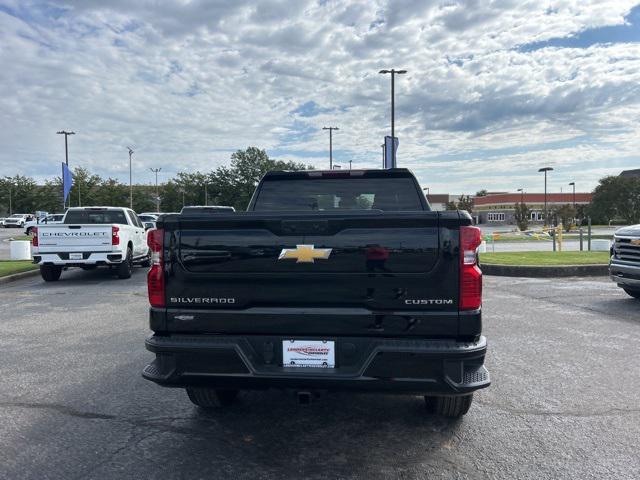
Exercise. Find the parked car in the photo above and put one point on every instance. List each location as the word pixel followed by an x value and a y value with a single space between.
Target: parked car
pixel 48 220
pixel 17 220
pixel 90 237
pixel 148 217
pixel 331 281
pixel 624 266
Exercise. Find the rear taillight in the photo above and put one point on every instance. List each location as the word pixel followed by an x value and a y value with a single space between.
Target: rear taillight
pixel 470 274
pixel 155 277
pixel 34 239
pixel 115 235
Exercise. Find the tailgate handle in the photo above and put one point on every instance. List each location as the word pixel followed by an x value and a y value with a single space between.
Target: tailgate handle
pixel 304 227
pixel 74 226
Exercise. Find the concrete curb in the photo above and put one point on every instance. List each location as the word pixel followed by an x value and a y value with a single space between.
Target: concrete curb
pixel 545 271
pixel 19 276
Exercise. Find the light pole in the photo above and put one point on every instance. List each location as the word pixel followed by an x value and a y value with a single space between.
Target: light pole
pixel 350 161
pixel 545 170
pixel 573 184
pixel 130 180
pixel 331 129
pixel 382 155
pixel 66 157
pixel 156 170
pixel 521 190
pixel 393 73
pixel 10 212
pixel 206 197
pixel 427 189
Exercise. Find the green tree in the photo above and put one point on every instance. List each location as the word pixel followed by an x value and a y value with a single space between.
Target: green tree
pixel 616 197
pixel 465 203
pixel 482 193
pixel 567 214
pixel 522 215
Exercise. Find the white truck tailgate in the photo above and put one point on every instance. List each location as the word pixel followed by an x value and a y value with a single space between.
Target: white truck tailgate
pixel 74 238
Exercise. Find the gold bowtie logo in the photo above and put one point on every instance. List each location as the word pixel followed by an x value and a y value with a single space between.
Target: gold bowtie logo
pixel 635 242
pixel 305 254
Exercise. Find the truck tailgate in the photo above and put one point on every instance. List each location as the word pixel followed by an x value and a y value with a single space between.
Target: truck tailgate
pixel 364 265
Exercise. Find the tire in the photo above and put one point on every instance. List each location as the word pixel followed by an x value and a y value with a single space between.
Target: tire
pixel 146 263
pixel 449 406
pixel 633 293
pixel 126 266
pixel 29 230
pixel 50 273
pixel 210 398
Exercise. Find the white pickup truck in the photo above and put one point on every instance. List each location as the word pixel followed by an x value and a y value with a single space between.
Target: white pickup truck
pixel 89 237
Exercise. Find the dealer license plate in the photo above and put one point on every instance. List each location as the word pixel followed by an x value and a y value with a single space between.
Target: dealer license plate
pixel 309 353
pixel 75 256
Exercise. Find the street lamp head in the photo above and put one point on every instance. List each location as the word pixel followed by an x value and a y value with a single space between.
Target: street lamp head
pixel 520 190
pixel 573 183
pixel 400 72
pixel 545 169
pixel 384 71
pixel 330 128
pixel 63 132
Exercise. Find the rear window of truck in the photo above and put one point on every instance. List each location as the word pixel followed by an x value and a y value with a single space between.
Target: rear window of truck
pixel 96 217
pixel 339 194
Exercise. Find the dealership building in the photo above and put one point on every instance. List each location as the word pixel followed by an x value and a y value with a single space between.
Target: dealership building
pixel 499 208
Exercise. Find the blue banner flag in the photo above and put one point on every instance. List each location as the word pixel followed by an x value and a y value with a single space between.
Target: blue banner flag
pixel 67 181
pixel 390 149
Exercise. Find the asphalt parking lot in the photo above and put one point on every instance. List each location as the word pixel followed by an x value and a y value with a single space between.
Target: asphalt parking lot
pixel 565 399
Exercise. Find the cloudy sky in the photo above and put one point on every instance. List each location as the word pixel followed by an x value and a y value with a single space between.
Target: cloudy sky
pixel 495 89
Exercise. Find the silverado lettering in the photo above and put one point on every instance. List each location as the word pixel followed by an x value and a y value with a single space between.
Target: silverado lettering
pixel 349 271
pixel 202 300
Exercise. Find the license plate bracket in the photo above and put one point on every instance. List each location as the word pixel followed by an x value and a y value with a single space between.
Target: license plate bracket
pixel 308 353
pixel 75 256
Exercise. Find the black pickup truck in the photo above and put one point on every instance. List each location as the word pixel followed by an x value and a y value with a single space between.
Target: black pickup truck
pixel 336 280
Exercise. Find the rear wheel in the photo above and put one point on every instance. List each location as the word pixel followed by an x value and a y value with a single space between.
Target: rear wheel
pixel 449 406
pixel 146 263
pixel 29 231
pixel 211 397
pixel 50 273
pixel 126 266
pixel 633 293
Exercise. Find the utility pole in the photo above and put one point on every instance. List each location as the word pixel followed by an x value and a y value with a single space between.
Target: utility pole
pixel 521 190
pixel 382 155
pixel 545 170
pixel 393 73
pixel 573 184
pixel 331 129
pixel 66 158
pixel 156 170
pixel 130 180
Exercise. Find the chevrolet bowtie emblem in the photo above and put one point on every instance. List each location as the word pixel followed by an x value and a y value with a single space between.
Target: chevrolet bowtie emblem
pixel 635 241
pixel 305 253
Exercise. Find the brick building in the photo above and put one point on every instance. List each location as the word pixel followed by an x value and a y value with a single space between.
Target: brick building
pixel 499 208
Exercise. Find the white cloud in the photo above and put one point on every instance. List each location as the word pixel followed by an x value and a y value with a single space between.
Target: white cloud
pixel 187 82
